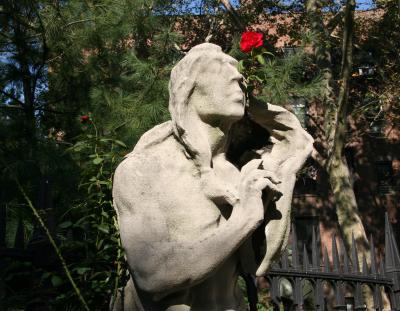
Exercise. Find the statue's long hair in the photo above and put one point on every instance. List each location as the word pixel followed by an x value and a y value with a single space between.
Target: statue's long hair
pixel 196 147
pixel 181 86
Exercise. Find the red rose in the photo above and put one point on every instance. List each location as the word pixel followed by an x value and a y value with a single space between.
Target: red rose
pixel 85 119
pixel 250 40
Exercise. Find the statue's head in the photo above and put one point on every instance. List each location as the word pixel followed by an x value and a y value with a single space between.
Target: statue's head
pixel 206 84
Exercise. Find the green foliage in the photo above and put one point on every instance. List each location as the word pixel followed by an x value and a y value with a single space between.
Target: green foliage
pixel 280 79
pixel 261 305
pixel 87 238
pixel 89 231
pixel 112 59
pixel 289 77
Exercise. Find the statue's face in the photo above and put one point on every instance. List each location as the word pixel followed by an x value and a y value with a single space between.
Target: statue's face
pixel 218 92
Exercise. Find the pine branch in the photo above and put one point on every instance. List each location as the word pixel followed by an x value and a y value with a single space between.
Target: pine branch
pixel 77 22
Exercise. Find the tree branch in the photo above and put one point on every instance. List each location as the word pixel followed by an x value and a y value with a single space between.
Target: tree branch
pixel 11 106
pixel 335 20
pixel 317 157
pixel 12 97
pixel 234 15
pixel 6 106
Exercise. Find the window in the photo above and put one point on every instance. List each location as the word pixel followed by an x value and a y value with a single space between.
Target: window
pixel 299 106
pixel 307 180
pixel 289 50
pixel 384 173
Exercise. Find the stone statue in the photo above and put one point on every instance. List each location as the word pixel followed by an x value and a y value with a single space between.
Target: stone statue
pixel 195 190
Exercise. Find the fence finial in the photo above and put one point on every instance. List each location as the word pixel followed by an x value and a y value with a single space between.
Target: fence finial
pixel 392 263
pixel 315 252
pixel 285 260
pixel 326 261
pixel 354 255
pixel 374 268
pixel 389 258
pixel 306 262
pixel 346 268
pixel 374 272
pixel 335 254
pixel 295 251
pixel 365 266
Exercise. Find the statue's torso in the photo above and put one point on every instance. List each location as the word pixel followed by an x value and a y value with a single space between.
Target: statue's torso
pixel 219 292
pixel 179 179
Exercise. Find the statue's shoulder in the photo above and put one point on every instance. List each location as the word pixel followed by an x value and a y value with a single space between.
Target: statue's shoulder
pixel 155 151
pixel 153 138
pixel 156 162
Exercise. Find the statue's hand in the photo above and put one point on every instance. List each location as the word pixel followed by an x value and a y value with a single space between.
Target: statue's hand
pixel 254 179
pixel 291 143
pixel 216 189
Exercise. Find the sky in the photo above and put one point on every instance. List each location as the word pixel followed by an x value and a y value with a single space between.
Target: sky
pixel 361 4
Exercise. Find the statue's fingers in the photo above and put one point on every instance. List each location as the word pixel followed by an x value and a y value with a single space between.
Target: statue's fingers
pixel 272 177
pixel 266 184
pixel 251 166
pixel 261 183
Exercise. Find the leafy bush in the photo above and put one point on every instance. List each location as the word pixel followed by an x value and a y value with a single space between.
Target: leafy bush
pixel 88 231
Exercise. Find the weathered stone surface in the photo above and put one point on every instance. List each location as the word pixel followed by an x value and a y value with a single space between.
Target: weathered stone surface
pixel 192 193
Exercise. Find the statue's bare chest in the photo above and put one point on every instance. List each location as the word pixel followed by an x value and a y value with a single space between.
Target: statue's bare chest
pixel 195 211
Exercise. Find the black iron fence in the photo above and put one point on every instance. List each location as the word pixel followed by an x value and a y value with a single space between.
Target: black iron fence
pixel 346 277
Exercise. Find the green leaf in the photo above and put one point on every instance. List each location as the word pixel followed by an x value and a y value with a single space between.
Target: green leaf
pixel 241 66
pixel 104 140
pixel 254 77
pixel 267 54
pixel 65 224
pixel 104 228
pixel 45 275
pixel 260 59
pixel 122 144
pixel 56 281
pixel 82 270
pixel 97 161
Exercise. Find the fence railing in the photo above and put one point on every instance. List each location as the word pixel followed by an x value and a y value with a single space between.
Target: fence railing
pixel 343 275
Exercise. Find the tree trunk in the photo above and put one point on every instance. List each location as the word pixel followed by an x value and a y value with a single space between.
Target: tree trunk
pixel 324 62
pixel 338 170
pixel 335 122
pixel 233 14
pixel 335 126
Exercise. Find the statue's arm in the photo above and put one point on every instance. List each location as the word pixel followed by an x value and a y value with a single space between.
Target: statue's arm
pixel 291 147
pixel 161 264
